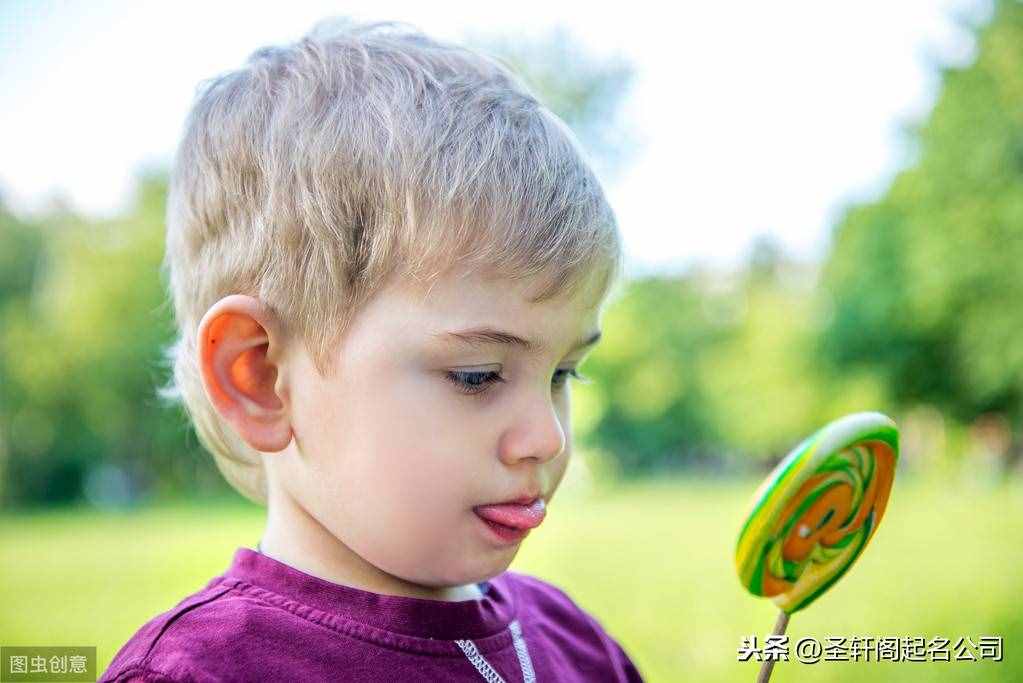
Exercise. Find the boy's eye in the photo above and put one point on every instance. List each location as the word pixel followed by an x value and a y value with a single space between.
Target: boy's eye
pixel 477 382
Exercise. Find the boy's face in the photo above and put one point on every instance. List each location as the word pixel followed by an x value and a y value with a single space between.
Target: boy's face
pixel 390 455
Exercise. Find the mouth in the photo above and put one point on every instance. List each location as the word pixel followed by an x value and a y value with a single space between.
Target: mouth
pixel 512 521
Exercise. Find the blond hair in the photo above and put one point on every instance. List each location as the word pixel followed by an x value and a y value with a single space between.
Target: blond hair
pixel 320 170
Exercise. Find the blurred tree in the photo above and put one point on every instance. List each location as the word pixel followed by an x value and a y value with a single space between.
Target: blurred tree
pixel 768 391
pixel 925 281
pixel 705 367
pixel 21 258
pixel 80 354
pixel 21 248
pixel 648 404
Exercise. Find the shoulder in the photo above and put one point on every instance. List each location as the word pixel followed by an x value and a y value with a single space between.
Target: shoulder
pixel 539 596
pixel 133 662
pixel 207 636
pixel 550 609
pixel 543 600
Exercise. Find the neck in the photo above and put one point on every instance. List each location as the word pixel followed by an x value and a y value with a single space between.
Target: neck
pixel 294 537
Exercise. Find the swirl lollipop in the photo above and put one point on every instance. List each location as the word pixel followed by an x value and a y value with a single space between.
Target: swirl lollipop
pixel 816 512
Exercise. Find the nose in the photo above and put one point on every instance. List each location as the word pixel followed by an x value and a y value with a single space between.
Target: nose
pixel 537 434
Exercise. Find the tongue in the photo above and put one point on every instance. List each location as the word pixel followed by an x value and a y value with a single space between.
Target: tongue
pixel 518 516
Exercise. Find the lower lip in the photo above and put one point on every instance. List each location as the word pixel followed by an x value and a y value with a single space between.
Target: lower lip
pixel 504 533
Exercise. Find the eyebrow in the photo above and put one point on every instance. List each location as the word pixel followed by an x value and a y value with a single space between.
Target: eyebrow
pixel 478 336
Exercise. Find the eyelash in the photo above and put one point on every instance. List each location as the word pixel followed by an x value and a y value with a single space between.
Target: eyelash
pixel 482 380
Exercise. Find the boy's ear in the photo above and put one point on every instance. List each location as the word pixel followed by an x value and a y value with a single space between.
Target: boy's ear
pixel 240 347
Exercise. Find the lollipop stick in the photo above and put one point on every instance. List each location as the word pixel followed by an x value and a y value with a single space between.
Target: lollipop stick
pixel 779 629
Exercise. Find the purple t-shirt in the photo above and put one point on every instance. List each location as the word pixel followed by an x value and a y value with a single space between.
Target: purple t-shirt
pixel 263 620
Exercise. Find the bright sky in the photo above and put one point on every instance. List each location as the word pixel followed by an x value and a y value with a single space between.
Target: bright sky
pixel 751 117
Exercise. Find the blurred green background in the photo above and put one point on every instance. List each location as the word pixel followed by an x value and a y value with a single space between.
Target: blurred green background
pixel 111 512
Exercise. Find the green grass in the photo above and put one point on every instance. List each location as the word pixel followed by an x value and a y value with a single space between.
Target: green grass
pixel 653 562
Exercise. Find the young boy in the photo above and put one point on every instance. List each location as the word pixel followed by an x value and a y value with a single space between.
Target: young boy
pixel 386 260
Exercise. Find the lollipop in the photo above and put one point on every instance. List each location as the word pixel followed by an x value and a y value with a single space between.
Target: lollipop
pixel 812 517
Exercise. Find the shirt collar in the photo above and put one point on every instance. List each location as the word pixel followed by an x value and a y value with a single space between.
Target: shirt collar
pixel 416 617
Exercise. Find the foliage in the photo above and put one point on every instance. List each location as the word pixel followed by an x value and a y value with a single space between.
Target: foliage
pixel 925 280
pixel 80 352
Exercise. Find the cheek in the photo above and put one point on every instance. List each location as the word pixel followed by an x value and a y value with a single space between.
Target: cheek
pixel 412 437
pixel 407 441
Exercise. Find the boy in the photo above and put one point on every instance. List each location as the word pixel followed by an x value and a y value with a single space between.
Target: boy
pixel 386 260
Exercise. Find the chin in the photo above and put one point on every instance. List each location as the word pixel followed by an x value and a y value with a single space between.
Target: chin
pixel 482 571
